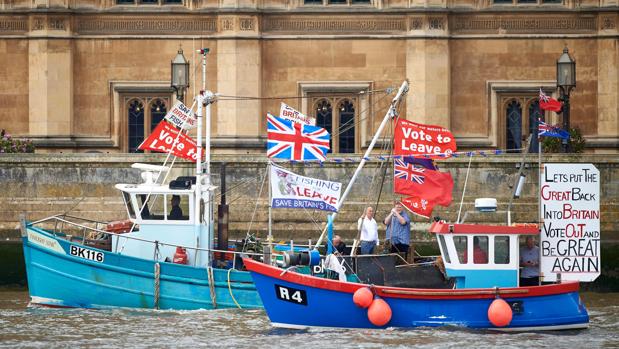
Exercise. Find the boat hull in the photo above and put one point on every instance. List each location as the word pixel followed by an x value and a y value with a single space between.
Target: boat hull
pixel 64 274
pixel 328 303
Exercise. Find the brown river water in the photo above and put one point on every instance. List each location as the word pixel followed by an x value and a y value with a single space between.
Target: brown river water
pixel 35 327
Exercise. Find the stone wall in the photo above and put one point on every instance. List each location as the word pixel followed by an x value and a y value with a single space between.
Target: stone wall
pixel 83 184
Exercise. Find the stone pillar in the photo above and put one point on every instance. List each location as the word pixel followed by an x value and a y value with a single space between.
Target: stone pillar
pixel 50 81
pixel 608 86
pixel 239 66
pixel 427 68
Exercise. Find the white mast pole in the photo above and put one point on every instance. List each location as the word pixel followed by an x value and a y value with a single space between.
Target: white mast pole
pixel 204 256
pixel 390 113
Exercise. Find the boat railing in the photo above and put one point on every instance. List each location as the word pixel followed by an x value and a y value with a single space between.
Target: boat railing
pixel 61 220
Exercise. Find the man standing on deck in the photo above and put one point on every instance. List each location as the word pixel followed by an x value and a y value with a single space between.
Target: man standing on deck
pixel 529 261
pixel 398 230
pixel 369 231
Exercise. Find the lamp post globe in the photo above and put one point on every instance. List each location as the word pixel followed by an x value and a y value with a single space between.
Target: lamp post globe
pixel 180 75
pixel 566 81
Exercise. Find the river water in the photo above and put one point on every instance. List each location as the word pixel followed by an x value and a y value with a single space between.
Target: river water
pixel 35 327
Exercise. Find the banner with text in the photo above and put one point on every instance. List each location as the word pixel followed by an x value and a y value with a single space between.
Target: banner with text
pixel 163 138
pixel 289 113
pixel 570 210
pixel 412 138
pixel 289 190
pixel 181 116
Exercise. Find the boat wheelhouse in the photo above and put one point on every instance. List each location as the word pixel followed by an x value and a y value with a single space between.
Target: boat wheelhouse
pixel 480 256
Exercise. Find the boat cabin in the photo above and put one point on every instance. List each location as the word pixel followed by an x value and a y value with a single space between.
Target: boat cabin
pixel 481 256
pixel 164 213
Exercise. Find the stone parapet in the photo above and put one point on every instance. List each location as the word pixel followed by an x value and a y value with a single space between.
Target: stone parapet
pixel 41 185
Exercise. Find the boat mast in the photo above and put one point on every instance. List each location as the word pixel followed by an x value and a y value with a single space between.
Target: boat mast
pixel 392 112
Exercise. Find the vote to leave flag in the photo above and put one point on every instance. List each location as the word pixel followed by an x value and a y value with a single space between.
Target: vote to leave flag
pixel 164 139
pixel 546 130
pixel 293 141
pixel 412 179
pixel 411 138
pixel 549 103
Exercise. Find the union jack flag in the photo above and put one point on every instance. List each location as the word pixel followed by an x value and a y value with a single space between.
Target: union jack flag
pixel 408 171
pixel 293 141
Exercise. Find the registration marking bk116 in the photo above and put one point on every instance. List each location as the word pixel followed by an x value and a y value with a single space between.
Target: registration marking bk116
pixel 86 253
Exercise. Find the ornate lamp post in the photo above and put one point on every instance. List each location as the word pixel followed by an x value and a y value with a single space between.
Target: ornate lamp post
pixel 566 81
pixel 180 75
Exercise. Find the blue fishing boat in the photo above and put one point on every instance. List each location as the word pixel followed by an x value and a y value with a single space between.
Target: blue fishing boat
pixel 162 257
pixel 480 295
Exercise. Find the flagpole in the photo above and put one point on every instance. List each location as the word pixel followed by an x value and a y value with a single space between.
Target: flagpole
pixel 390 114
pixel 539 198
pixel 267 252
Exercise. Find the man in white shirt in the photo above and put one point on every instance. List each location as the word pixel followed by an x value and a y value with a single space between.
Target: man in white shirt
pixel 369 232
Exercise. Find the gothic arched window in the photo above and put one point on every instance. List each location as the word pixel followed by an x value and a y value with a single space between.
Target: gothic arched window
pixel 514 126
pixel 157 112
pixel 136 125
pixel 535 113
pixel 347 127
pixel 324 118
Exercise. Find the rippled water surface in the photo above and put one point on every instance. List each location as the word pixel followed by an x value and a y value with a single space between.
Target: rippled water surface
pixel 35 327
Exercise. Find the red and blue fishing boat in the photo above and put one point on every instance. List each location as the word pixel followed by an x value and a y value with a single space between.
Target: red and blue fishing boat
pixel 475 295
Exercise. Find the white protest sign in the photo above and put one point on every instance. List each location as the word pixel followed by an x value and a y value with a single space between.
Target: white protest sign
pixel 181 116
pixel 289 190
pixel 289 113
pixel 570 210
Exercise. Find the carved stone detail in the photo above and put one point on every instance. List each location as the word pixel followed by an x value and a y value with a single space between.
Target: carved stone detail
pixel 38 23
pixel 416 23
pixel 140 25
pixel 524 24
pixel 55 23
pixel 226 24
pixel 362 25
pixel 436 23
pixel 246 24
pixel 13 24
pixel 608 23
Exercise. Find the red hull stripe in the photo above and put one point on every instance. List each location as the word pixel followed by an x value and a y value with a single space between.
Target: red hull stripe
pixel 409 293
pixel 445 228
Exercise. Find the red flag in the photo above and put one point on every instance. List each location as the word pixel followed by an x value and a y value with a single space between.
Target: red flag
pixel 412 138
pixel 414 180
pixel 162 139
pixel 418 206
pixel 549 103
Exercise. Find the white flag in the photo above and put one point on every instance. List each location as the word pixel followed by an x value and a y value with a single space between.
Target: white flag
pixel 181 116
pixel 289 113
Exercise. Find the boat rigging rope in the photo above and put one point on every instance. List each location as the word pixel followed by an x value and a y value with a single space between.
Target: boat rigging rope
pixel 468 170
pixel 157 285
pixel 387 90
pixel 251 221
pixel 211 286
pixel 230 290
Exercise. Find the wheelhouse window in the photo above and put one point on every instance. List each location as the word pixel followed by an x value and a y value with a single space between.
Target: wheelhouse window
pixel 129 205
pixel 480 250
pixel 167 207
pixel 461 244
pixel 501 250
pixel 441 240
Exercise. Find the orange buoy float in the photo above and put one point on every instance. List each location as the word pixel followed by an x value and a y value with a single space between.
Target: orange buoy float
pixel 363 297
pixel 379 312
pixel 500 313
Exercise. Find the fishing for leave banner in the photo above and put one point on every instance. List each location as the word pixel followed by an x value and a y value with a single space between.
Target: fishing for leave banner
pixel 289 190
pixel 289 113
pixel 162 139
pixel 570 209
pixel 181 116
pixel 412 138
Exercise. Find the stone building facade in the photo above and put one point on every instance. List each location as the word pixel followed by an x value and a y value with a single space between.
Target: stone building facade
pixel 94 75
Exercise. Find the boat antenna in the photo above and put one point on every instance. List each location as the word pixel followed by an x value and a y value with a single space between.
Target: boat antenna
pixel 391 113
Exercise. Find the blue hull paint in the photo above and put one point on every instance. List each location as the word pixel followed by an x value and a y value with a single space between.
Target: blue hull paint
pixel 58 279
pixel 329 308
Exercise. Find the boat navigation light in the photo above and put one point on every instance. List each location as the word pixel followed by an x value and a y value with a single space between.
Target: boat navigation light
pixel 485 204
